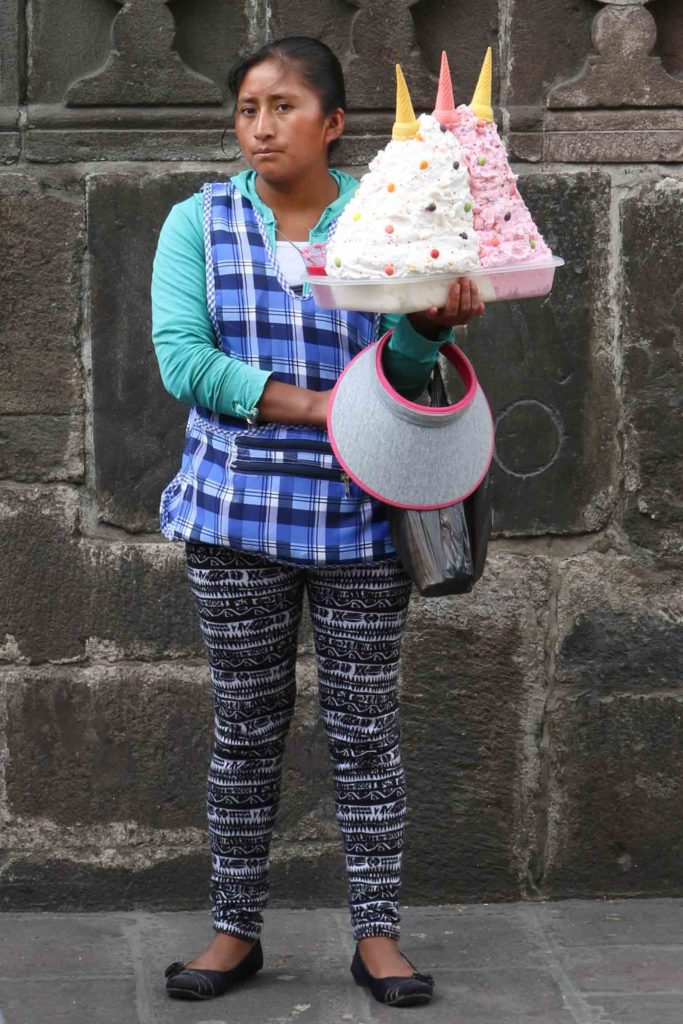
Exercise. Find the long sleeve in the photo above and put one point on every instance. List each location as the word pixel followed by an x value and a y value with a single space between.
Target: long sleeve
pixel 409 357
pixel 192 368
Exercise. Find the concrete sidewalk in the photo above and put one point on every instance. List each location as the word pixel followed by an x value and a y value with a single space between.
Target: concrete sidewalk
pixel 569 962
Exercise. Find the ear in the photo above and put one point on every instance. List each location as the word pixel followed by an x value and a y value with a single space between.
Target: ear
pixel 335 125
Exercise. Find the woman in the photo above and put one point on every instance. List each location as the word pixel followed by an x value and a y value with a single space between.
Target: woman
pixel 265 511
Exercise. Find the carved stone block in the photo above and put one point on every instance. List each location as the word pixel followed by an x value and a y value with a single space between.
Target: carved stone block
pixel 622 73
pixel 125 214
pixel 142 67
pixel 652 225
pixel 371 36
pixel 42 238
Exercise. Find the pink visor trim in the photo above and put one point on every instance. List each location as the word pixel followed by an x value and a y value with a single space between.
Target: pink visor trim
pixel 452 353
pixel 458 359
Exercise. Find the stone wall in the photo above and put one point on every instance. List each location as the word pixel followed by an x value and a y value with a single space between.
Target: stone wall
pixel 542 714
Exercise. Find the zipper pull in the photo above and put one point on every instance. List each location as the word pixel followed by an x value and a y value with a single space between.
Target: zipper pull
pixel 347 484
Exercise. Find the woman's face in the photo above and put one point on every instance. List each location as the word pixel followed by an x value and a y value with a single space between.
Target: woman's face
pixel 279 122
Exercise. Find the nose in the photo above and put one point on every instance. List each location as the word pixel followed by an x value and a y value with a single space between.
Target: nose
pixel 263 125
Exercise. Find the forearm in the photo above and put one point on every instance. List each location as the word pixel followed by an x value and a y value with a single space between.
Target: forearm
pixel 286 403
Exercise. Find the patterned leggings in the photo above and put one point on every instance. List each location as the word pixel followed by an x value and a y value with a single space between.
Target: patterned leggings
pixel 249 610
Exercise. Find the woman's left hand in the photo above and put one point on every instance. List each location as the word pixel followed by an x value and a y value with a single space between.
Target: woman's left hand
pixel 462 303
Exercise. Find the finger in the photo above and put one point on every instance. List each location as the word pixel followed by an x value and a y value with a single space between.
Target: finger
pixel 465 310
pixel 452 300
pixel 474 294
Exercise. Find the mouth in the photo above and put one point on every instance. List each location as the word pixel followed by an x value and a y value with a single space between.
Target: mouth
pixel 266 152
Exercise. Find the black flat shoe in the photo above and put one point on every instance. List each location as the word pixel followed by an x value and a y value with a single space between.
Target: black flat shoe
pixel 199 983
pixel 399 991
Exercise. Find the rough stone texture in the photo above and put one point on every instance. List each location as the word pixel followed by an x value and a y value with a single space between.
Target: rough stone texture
pixel 615 807
pixel 669 17
pixel 42 237
pixel 548 40
pixel 125 214
pixel 116 744
pixel 471 714
pixel 620 627
pixel 41 447
pixel 72 598
pixel 9 62
pixel 614 731
pixel 547 371
pixel 652 222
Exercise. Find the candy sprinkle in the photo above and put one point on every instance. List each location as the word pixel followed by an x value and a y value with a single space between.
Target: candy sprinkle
pixel 443 127
pixel 495 241
pixel 463 234
pixel 532 243
pixel 430 208
pixel 389 229
pixel 434 254
pixel 356 215
pixel 391 187
pixel 507 216
pixel 388 270
pixel 424 164
pixel 467 207
pixel 481 161
pixel 420 138
pixel 456 164
pixel 337 261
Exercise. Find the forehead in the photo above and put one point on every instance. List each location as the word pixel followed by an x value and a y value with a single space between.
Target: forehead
pixel 271 79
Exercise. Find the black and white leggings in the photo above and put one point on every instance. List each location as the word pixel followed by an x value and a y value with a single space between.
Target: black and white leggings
pixel 249 610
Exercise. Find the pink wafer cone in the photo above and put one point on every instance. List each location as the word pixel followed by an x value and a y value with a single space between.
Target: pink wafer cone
pixel 445 111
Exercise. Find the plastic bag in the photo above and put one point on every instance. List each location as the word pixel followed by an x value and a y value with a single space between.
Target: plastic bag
pixel 444 550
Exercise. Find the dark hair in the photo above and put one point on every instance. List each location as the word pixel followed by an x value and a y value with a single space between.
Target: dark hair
pixel 318 65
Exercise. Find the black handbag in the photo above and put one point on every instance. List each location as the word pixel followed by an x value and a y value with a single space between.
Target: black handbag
pixel 444 550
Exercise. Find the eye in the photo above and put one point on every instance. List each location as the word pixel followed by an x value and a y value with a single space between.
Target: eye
pixel 284 106
pixel 246 111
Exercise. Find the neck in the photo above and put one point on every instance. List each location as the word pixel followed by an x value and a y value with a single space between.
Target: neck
pixel 307 196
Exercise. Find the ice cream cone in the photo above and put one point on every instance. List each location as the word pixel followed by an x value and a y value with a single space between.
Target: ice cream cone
pixel 480 104
pixel 406 125
pixel 445 111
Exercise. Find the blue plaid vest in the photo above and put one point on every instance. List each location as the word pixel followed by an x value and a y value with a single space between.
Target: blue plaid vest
pixel 272 488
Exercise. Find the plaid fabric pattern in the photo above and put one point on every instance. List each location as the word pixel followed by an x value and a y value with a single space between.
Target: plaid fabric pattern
pixel 273 488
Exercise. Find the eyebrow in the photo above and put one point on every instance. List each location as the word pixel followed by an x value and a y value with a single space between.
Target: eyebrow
pixel 272 96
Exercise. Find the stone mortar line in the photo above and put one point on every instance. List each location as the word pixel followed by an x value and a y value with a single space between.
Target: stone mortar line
pixel 543 831
pixel 360 1001
pixel 258 16
pixel 573 998
pixel 505 8
pixel 5 815
pixel 144 997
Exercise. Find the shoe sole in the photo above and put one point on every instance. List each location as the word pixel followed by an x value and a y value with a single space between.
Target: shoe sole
pixel 187 993
pixel 414 999
pixel 184 993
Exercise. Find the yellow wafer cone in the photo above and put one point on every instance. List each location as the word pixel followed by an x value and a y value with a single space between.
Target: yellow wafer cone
pixel 480 104
pixel 406 125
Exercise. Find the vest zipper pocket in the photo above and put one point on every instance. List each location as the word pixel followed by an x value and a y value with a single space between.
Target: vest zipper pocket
pixel 292 469
pixel 284 443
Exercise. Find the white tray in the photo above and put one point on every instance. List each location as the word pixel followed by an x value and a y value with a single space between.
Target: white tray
pixel 410 294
